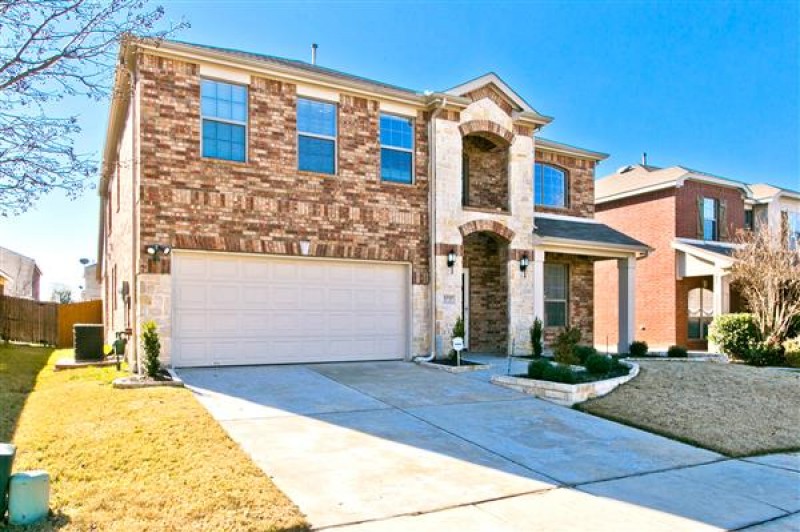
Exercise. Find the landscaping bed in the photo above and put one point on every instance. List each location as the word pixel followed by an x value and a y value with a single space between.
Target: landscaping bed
pixel 149 459
pixel 733 409
pixel 450 365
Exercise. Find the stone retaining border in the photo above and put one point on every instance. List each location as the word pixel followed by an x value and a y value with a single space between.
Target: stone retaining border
pixel 135 381
pixel 566 394
pixel 455 369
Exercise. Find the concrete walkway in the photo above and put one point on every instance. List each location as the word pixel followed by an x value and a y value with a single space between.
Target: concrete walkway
pixel 394 446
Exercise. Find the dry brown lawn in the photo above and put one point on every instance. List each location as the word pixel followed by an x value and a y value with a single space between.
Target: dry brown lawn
pixel 150 459
pixel 733 409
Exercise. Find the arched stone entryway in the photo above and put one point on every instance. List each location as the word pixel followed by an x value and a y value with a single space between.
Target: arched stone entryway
pixel 485 291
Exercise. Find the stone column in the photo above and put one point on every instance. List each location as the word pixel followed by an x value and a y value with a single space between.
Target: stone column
pixel 627 303
pixel 537 272
pixel 448 301
pixel 520 302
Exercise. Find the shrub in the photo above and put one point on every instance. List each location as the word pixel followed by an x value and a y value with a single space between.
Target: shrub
pixel 598 364
pixel 734 333
pixel 152 349
pixel 676 351
pixel 583 352
pixel 764 354
pixel 791 352
pixel 638 348
pixel 536 337
pixel 560 373
pixel 537 368
pixel 564 346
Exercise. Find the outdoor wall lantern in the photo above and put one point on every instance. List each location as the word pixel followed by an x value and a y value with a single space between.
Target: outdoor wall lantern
pixel 451 259
pixel 156 250
pixel 305 246
pixel 523 264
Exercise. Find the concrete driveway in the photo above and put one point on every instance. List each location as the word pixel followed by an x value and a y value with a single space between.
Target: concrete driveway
pixel 394 446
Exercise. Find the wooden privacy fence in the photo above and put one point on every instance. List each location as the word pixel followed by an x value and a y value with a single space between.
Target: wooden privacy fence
pixel 25 320
pixel 40 322
pixel 71 313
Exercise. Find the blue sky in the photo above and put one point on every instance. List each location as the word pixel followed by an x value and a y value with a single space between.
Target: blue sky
pixel 708 84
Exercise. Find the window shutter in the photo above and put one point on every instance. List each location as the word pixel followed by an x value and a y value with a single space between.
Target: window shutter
pixel 700 219
pixel 723 220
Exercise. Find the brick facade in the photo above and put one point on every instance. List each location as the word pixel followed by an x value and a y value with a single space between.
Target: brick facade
pixel 580 183
pixel 486 174
pixel 657 218
pixel 172 195
pixel 266 205
pixel 580 309
pixel 486 256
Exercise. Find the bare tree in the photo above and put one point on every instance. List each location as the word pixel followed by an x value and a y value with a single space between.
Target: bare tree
pixel 767 272
pixel 49 50
pixel 61 294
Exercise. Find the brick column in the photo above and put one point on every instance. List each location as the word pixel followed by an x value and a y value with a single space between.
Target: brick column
pixel 627 303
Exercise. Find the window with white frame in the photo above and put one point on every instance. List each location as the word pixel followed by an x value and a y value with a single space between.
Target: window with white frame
pixel 710 223
pixel 550 186
pixel 701 312
pixel 316 136
pixel 556 294
pixel 397 149
pixel 223 107
pixel 793 221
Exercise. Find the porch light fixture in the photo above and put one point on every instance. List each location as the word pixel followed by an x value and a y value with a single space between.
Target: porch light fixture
pixel 305 246
pixel 523 264
pixel 156 250
pixel 451 259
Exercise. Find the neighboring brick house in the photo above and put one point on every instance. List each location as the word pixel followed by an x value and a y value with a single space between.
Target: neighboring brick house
pixel 691 220
pixel 265 210
pixel 20 276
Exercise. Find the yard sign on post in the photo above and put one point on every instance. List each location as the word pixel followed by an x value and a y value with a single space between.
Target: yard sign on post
pixel 458 345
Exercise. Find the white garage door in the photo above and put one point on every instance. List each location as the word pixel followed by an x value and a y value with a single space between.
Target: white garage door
pixel 239 309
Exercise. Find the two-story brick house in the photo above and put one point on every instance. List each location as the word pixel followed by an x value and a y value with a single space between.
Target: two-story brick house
pixel 265 210
pixel 690 219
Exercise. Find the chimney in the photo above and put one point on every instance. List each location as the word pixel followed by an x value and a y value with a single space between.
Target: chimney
pixel 314 53
pixel 644 158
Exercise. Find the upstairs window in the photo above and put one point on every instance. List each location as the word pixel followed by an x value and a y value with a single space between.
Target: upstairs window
pixel 397 149
pixel 793 226
pixel 556 277
pixel 316 136
pixel 710 220
pixel 224 114
pixel 550 186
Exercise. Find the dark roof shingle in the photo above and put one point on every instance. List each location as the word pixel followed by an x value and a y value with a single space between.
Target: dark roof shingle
pixel 590 231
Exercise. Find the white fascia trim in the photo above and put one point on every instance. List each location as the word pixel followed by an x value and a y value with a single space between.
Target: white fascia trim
pixel 582 247
pixel 564 217
pixel 722 262
pixel 714 181
pixel 708 243
pixel 635 192
pixel 580 153
pixel 281 72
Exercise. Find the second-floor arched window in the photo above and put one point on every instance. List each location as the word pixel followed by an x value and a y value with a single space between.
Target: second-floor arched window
pixel 549 186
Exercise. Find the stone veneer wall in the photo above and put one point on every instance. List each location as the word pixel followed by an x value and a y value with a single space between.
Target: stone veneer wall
pixel 487 169
pixel 486 258
pixel 154 302
pixel 580 312
pixel 450 216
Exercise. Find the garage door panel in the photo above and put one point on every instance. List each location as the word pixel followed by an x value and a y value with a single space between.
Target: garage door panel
pixel 233 309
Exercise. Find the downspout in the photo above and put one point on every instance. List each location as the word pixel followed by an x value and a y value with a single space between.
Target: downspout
pixel 134 289
pixel 432 223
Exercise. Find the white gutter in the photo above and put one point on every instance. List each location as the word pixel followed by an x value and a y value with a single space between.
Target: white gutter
pixel 432 222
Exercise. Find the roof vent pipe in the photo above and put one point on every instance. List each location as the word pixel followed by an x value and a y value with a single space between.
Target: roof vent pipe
pixel 644 158
pixel 314 47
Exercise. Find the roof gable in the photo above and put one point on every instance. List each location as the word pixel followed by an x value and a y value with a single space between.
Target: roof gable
pixel 491 84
